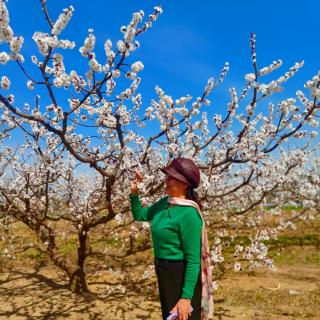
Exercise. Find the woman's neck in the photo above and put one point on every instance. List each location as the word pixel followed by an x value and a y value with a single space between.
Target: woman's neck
pixel 178 196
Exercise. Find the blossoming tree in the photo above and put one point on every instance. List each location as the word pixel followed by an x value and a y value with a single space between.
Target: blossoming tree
pixel 42 188
pixel 104 127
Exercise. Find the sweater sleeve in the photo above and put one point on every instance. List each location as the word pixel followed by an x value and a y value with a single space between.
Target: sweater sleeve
pixel 191 231
pixel 141 213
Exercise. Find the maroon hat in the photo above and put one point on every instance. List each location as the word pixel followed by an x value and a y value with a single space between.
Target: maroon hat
pixel 185 170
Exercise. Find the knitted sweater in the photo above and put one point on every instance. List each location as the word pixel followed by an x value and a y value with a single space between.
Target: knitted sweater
pixel 176 235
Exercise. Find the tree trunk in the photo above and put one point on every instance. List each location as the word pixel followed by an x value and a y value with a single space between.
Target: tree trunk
pixel 78 282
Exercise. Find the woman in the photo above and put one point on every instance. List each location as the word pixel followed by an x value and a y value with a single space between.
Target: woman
pixel 182 256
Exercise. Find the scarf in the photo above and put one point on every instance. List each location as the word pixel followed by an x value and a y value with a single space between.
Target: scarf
pixel 206 266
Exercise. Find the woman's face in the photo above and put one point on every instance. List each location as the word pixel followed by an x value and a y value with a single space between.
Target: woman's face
pixel 175 187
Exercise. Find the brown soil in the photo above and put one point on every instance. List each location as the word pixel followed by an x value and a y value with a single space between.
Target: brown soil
pixel 32 289
pixel 291 292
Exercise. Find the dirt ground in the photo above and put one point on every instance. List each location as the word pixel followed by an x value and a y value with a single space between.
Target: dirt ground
pixel 30 288
pixel 291 292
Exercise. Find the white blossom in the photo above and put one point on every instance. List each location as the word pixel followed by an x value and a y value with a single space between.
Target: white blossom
pixel 314 134
pixel 62 21
pixel 137 67
pixel 275 65
pixel 16 44
pixel 89 44
pixel 237 266
pixel 250 77
pixel 4 58
pixel 121 46
pixel 30 84
pixel 5 83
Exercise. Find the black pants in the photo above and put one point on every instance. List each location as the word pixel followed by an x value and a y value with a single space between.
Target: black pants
pixel 170 276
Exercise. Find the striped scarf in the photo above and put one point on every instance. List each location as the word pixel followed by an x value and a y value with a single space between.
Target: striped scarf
pixel 206 266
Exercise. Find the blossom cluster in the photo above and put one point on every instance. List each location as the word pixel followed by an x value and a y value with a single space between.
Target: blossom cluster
pixel 275 65
pixel 275 85
pixel 7 35
pixel 62 21
pixel 314 86
pixel 45 42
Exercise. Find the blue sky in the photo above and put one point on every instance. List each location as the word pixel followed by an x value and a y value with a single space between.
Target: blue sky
pixel 189 43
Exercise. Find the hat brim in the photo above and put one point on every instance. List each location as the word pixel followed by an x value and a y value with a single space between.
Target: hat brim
pixel 175 174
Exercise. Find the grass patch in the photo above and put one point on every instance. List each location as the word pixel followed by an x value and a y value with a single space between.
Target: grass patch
pixel 33 253
pixel 283 208
pixel 298 256
pixel 104 240
pixel 286 241
pixel 313 258
pixel 270 207
pixel 68 247
pixel 281 241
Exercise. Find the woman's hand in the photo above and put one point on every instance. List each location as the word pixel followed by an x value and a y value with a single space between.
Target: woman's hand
pixel 183 307
pixel 134 186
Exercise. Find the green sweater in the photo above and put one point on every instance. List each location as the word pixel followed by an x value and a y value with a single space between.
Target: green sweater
pixel 176 235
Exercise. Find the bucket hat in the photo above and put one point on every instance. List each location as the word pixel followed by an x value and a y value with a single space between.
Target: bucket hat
pixel 185 170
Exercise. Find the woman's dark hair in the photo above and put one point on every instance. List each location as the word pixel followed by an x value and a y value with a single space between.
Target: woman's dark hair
pixel 192 195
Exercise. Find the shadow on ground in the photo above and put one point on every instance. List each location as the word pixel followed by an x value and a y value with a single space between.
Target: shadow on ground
pixel 43 293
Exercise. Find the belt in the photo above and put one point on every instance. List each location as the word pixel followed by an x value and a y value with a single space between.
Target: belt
pixel 166 262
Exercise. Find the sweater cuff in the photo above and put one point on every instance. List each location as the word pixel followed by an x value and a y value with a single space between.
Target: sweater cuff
pixel 134 196
pixel 135 201
pixel 186 295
